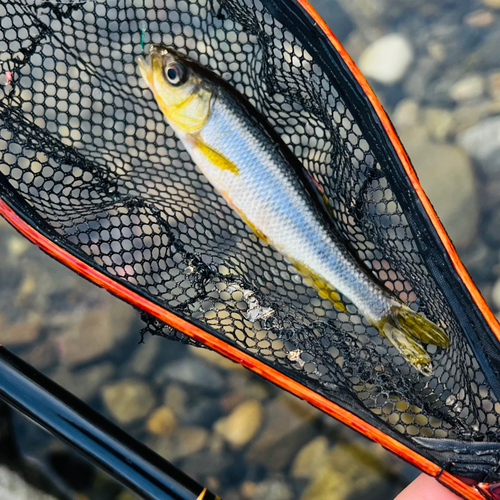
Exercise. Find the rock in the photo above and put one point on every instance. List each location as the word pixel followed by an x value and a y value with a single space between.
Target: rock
pixel 191 372
pixel 480 18
pixel 84 383
pixel 446 175
pixel 470 87
pixel 274 488
pixel 184 442
pixel 217 359
pixel 387 59
pixel 128 400
pixel 21 332
pixel 494 85
pixel 310 458
pixel 439 123
pixel 241 425
pixel 482 142
pixel 495 295
pixel 406 113
pixel 42 354
pixel 145 355
pixel 162 421
pixel 176 398
pixel 287 428
pixel 492 4
pixel 91 333
pixel 13 487
pixel 348 472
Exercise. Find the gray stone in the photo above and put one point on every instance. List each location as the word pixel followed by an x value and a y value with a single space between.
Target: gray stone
pixel 145 354
pixel 128 400
pixel 387 59
pixel 21 332
pixel 275 488
pixel 84 383
pixel 286 429
pixel 470 87
pixel 446 175
pixel 482 142
pixel 13 487
pixel 91 333
pixel 191 372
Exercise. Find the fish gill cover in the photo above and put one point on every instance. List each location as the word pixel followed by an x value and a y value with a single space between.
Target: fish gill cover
pixel 87 158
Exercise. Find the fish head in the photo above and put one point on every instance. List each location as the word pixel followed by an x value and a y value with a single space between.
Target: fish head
pixel 183 94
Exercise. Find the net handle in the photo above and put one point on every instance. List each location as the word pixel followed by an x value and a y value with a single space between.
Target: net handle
pixel 99 440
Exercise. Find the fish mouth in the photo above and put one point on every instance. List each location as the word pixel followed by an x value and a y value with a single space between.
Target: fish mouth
pixel 146 70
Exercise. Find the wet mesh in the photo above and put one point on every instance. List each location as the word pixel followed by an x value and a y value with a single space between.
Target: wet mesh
pixel 87 156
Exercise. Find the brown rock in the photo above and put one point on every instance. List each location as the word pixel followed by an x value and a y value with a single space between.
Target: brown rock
pixel 184 442
pixel 94 332
pixel 22 332
pixel 128 400
pixel 310 458
pixel 240 426
pixel 285 431
pixel 162 421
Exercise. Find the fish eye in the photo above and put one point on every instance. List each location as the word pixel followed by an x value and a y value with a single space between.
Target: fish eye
pixel 174 73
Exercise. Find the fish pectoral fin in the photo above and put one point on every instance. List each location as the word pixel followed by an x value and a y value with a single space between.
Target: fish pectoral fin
pixel 216 157
pixel 323 287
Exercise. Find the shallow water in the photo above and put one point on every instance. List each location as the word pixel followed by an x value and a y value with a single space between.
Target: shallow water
pixel 442 91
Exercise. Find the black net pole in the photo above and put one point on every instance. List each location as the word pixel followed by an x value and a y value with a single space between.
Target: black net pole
pixel 116 452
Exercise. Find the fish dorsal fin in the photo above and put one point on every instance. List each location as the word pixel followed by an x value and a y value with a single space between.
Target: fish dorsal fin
pixel 216 157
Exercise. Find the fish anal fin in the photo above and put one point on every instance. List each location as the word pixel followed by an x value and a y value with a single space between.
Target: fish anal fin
pixel 216 157
pixel 323 287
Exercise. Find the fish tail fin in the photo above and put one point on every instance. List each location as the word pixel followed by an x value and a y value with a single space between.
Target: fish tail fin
pixel 406 330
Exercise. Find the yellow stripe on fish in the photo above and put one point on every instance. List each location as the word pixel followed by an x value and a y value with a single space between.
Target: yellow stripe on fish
pixel 215 157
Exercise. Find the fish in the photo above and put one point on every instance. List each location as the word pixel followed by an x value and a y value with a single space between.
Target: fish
pixel 246 161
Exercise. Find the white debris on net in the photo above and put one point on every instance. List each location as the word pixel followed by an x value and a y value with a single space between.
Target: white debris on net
pixel 13 487
pixel 255 310
pixel 295 356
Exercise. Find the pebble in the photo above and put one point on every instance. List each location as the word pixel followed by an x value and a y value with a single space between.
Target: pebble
pixel 184 442
pixel 162 421
pixel 145 355
pixel 176 398
pixel 492 4
pixel 447 178
pixel 217 359
pixel 84 383
pixel 274 488
pixel 439 123
pixel 91 333
pixel 480 18
pixel 128 400
pixel 387 59
pixel 494 85
pixel 191 372
pixel 13 487
pixel 406 113
pixel 286 429
pixel 348 472
pixel 495 295
pixel 240 426
pixel 482 143
pixel 310 458
pixel 470 87
pixel 21 332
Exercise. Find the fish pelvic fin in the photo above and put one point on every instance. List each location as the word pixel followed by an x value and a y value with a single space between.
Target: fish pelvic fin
pixel 407 330
pixel 216 157
pixel 322 286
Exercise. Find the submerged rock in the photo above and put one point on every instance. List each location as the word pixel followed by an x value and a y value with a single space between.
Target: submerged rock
pixel 446 175
pixel 482 142
pixel 13 487
pixel 240 426
pixel 387 59
pixel 192 372
pixel 184 442
pixel 128 400
pixel 469 87
pixel 310 458
pixel 162 421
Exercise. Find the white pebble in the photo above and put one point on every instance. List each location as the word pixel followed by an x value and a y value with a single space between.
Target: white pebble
pixel 387 59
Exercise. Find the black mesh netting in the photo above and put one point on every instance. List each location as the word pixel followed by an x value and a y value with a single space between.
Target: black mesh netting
pixel 86 155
